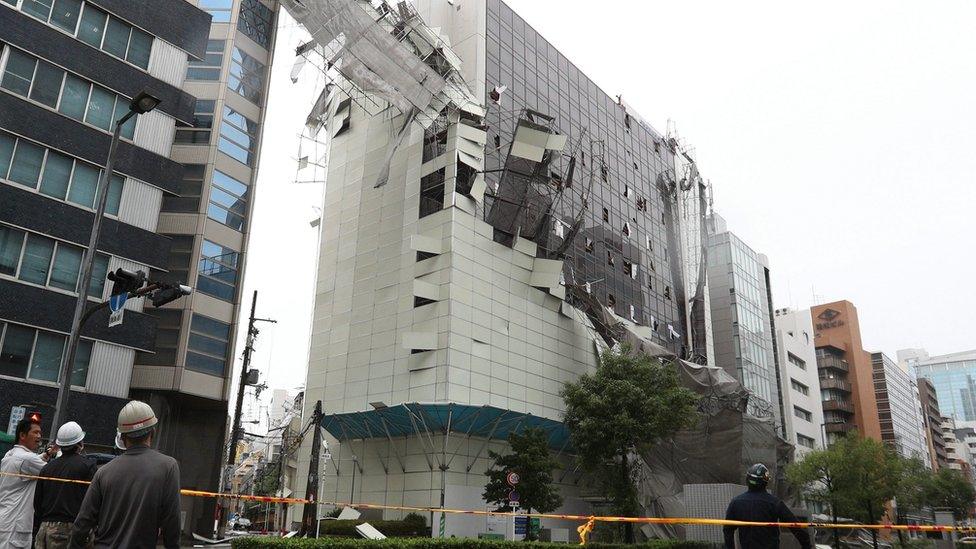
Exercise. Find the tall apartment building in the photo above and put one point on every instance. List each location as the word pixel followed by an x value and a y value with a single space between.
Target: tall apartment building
pixel 188 379
pixel 958 452
pixel 67 73
pixel 933 423
pixel 840 356
pixel 899 407
pixel 953 376
pixel 441 316
pixel 800 382
pixel 742 321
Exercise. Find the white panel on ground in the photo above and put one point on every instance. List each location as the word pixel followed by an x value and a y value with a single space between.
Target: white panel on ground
pixel 368 531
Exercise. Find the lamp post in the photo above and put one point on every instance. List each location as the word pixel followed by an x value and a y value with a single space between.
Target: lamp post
pixel 140 104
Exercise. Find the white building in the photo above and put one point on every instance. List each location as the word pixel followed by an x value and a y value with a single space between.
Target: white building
pixel 799 380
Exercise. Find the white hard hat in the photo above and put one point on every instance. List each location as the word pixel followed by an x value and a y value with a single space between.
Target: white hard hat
pixel 136 416
pixel 70 434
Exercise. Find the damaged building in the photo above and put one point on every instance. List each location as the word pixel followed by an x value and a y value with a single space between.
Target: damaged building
pixel 492 221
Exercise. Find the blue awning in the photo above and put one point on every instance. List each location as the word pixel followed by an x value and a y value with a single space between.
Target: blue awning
pixel 416 419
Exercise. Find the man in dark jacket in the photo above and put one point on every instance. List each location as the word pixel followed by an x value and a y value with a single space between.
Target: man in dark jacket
pixel 135 499
pixel 56 504
pixel 758 505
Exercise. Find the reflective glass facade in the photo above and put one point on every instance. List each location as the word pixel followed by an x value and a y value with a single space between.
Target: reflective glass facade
pixel 899 409
pixel 955 384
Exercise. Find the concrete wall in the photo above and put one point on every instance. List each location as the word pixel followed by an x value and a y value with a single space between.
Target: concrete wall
pixel 794 336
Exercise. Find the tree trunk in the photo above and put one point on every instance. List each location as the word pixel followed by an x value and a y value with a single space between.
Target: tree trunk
pixel 625 473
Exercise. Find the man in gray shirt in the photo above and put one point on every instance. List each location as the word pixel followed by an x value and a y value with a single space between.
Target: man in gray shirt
pixel 135 499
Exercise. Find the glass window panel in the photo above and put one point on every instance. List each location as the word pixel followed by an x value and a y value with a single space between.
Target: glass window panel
pixel 116 37
pixel 140 46
pixel 37 259
pixel 199 73
pixel 67 265
pixel 7 143
pixel 221 215
pixel 47 84
pixel 57 174
pixel 228 201
pixel 74 98
pixel 96 287
pixel 219 253
pixel 26 168
pixel 15 354
pixel 65 14
pixel 83 185
pixel 204 364
pixel 121 109
pixel 114 194
pixel 79 373
pixel 100 108
pixel 38 8
pixel 228 183
pixel 234 151
pixel 18 73
pixel 46 362
pixel 236 135
pixel 208 326
pixel 92 26
pixel 214 288
pixel 255 22
pixel 208 345
pixel 11 242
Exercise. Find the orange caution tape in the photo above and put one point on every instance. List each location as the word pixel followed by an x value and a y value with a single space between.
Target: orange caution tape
pixel 584 530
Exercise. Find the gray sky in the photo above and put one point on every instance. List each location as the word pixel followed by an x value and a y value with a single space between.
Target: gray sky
pixel 838 137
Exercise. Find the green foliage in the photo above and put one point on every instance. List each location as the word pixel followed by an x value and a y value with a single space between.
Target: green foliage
pixel 627 405
pixel 530 458
pixel 440 543
pixel 950 489
pixel 913 487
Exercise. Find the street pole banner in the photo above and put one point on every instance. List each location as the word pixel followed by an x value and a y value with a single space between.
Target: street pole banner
pixel 17 413
pixel 116 304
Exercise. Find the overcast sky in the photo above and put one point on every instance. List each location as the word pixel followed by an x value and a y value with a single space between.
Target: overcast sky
pixel 839 138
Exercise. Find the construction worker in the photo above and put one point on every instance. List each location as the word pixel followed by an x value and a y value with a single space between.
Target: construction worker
pixel 134 499
pixel 758 505
pixel 56 504
pixel 17 493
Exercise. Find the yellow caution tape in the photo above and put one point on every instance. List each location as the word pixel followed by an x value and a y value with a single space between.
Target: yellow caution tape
pixel 584 530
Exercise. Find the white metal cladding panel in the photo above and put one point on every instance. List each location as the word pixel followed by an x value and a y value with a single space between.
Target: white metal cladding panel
pixel 167 63
pixel 110 369
pixel 155 132
pixel 140 204
pixel 117 263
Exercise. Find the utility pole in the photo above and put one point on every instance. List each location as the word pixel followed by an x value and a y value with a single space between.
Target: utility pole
pixel 310 513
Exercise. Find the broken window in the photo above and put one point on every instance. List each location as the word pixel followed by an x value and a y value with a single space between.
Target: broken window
pixel 583 158
pixel 667 292
pixel 611 301
pixel 432 193
pixel 635 166
pixel 633 313
pixel 605 173
pixel 609 259
pixel 435 143
pixel 627 191
pixel 425 255
pixel 606 214
pixel 627 121
pixel 650 281
pixel 642 203
pixel 647 240
pixel 498 141
pixel 421 301
pixel 626 229
pixel 465 178
pixel 633 271
pixel 657 146
pixel 588 245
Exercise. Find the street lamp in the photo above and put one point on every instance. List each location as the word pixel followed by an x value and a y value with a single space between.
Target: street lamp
pixel 140 104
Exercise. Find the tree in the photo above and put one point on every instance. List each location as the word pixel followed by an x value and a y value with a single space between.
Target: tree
pixel 530 458
pixel 631 402
pixel 857 476
pixel 950 489
pixel 914 488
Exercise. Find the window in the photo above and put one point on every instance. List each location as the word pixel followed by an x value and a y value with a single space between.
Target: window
pixel 219 9
pixel 228 200
pixel 799 387
pixel 255 22
pixel 199 132
pixel 37 354
pixel 40 81
pixel 209 67
pixel 802 414
pixel 40 260
pixel 207 347
pixel 179 260
pixel 804 441
pixel 60 176
pixel 190 189
pixel 238 136
pixel 114 36
pixel 432 193
pixel 218 271
pixel 246 76
pixel 796 361
pixel 168 323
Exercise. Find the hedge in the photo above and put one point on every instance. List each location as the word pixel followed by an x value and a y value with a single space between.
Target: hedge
pixel 441 543
pixel 391 528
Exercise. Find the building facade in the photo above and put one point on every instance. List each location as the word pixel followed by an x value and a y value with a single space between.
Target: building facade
pixel 67 73
pixel 958 452
pixel 952 375
pixel 846 372
pixel 799 380
pixel 742 322
pixel 899 408
pixel 441 320
pixel 933 423
pixel 188 378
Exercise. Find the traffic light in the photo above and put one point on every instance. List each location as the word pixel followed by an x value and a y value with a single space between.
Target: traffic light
pixel 125 281
pixel 170 293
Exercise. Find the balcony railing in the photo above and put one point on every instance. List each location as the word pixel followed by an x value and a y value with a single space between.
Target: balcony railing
pixel 838 427
pixel 828 361
pixel 834 383
pixel 833 405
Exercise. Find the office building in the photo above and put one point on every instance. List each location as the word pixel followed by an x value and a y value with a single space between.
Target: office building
pixel 958 452
pixel 899 407
pixel 67 73
pixel 441 317
pixel 851 405
pixel 953 376
pixel 933 423
pixel 800 382
pixel 742 322
pixel 188 378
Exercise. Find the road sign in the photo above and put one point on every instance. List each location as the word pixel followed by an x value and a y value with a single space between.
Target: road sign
pixel 117 305
pixel 512 478
pixel 513 496
pixel 17 413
